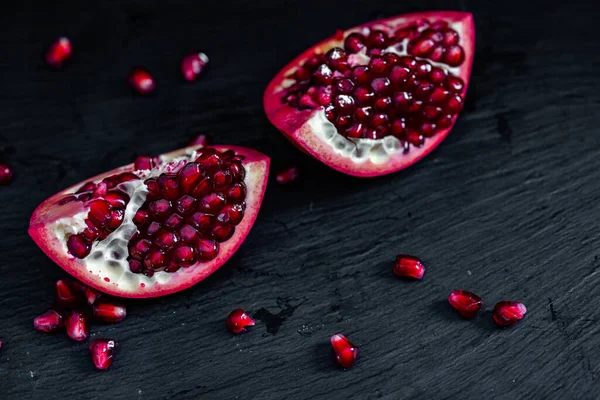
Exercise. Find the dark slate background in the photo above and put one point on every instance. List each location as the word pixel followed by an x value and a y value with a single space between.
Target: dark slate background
pixel 507 207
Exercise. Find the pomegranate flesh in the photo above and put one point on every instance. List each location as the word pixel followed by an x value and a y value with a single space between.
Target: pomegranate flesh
pixel 238 321
pixel 466 303
pixel 151 232
pixel 345 352
pixel 507 313
pixel 102 352
pixel 379 97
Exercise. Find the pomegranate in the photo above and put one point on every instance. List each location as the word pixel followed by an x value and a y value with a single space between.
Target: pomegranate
pixel 141 81
pixel 59 52
pixel 378 97
pixel 193 65
pixel 6 174
pixel 466 303
pixel 409 267
pixel 152 232
pixel 507 313
pixel 77 324
pixel 345 352
pixel 102 352
pixel 50 321
pixel 109 312
pixel 238 320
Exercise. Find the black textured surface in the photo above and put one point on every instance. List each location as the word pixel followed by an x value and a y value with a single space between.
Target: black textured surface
pixel 507 206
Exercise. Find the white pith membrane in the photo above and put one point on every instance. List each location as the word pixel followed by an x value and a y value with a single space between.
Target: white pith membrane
pixel 360 150
pixel 108 258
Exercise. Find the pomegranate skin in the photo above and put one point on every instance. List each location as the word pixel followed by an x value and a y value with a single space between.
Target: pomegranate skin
pixel 47 213
pixel 295 126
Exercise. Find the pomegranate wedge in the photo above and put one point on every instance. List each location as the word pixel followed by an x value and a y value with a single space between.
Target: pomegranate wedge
pixel 379 97
pixel 152 232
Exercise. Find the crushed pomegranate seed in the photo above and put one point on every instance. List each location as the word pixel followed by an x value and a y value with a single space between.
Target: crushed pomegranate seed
pixel 200 139
pixel 141 81
pixel 6 174
pixel 345 352
pixel 409 266
pixel 238 320
pixel 50 321
pixel 193 65
pixel 77 326
pixel 66 296
pixel 507 313
pixel 59 52
pixel 466 303
pixel 402 96
pixel 102 352
pixel 109 312
pixel 288 176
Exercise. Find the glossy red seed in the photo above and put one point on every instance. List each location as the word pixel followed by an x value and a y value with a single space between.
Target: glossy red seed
pixel 222 233
pixel 288 176
pixel 140 248
pixel 201 221
pixel 346 353
pixel 207 249
pixel 454 56
pixel 102 352
pixel 200 139
pixel 169 186
pixel 153 228
pixel 212 202
pixel 78 246
pixel 160 209
pixel 323 75
pixel 117 199
pixel 466 303
pixel 189 234
pixel 165 239
pixel 155 260
pixel 336 59
pixel 231 214
pixel 174 221
pixel 143 162
pixel 221 180
pixel 354 43
pixel 189 176
pixel 507 313
pixel 455 84
pixel 238 321
pixel 116 219
pixel 135 266
pixel 50 321
pixel 141 81
pixel 237 171
pixel 193 65
pixel 140 217
pixel 77 326
pixel 100 212
pixel 66 295
pixel 109 312
pixel 237 192
pixel 408 266
pixel 6 174
pixel 59 52
pixel 184 255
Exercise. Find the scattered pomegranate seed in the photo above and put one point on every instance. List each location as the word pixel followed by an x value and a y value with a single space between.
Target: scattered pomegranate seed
pixel 409 266
pixel 466 303
pixel 507 313
pixel 102 351
pixel 0 343
pixel 288 176
pixel 6 174
pixel 77 326
pixel 201 139
pixel 59 52
pixel 345 352
pixel 238 320
pixel 50 321
pixel 65 295
pixel 193 65
pixel 141 81
pixel 110 312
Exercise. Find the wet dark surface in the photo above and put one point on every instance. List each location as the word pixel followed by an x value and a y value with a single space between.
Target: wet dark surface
pixel 506 207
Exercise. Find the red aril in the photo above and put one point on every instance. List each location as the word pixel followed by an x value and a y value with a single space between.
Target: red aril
pixel 6 174
pixel 77 325
pixel 200 139
pixel 59 52
pixel 109 311
pixel 379 97
pixel 176 223
pixel 507 313
pixel 407 266
pixel 345 352
pixel 193 65
pixel 66 296
pixel 288 176
pixel 466 303
pixel 102 352
pixel 238 321
pixel 141 81
pixel 50 321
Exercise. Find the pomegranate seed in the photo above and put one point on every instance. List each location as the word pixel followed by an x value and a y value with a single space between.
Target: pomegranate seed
pixel 59 52
pixel 117 199
pixel 100 212
pixel 78 246
pixel 184 255
pixel 201 139
pixel 466 303
pixel 345 352
pixel 6 174
pixel 77 326
pixel 222 233
pixel 507 313
pixel 454 56
pixel 207 249
pixel 141 81
pixel 50 321
pixel 143 162
pixel 354 43
pixel 102 351
pixel 238 320
pixel 409 266
pixel 193 65
pixel 91 296
pixel 288 176
pixel 109 312
pixel 65 295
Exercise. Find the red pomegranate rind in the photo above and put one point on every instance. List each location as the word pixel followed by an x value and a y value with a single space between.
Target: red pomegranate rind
pixel 507 313
pixel 51 212
pixel 295 121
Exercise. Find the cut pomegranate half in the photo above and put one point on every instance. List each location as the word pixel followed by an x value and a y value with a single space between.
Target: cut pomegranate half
pixel 378 97
pixel 152 232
